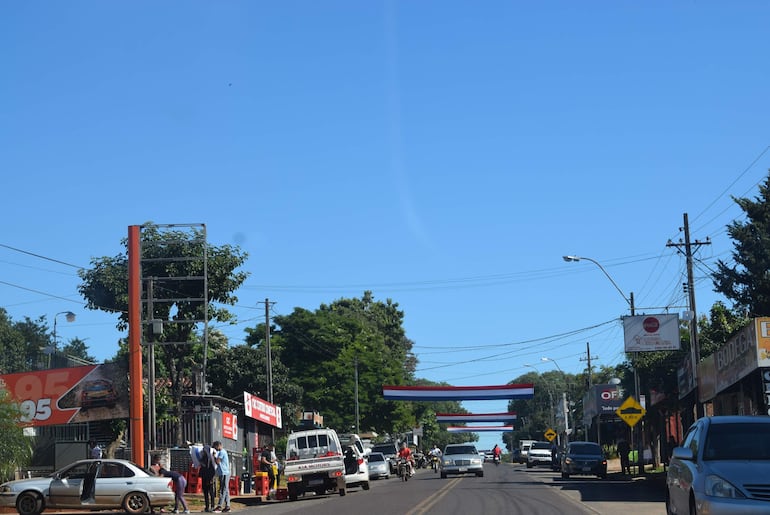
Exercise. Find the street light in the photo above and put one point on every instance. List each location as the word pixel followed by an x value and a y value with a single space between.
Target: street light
pixel 70 317
pixel 553 361
pixel 565 403
pixel 629 299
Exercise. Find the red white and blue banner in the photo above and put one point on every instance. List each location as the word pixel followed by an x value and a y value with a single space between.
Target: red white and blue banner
pixel 479 429
pixel 458 393
pixel 456 418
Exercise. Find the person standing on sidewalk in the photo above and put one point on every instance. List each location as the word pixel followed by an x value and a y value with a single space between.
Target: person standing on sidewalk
pixel 623 450
pixel 223 475
pixel 208 471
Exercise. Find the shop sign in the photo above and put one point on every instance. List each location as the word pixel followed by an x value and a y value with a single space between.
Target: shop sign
pixel 229 425
pixel 737 358
pixel 763 341
pixel 648 333
pixel 261 410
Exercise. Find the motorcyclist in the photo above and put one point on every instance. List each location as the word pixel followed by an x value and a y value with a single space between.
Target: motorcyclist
pixel 496 452
pixel 435 455
pixel 406 453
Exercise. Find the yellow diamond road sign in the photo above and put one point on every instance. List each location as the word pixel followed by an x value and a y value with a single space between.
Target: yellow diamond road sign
pixel 631 411
pixel 550 434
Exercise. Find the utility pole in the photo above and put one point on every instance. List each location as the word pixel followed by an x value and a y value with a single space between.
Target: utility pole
pixel 355 363
pixel 269 356
pixel 694 343
pixel 588 358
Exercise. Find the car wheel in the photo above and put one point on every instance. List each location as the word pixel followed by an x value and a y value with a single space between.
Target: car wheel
pixel 135 503
pixel 443 475
pixel 365 486
pixel 29 503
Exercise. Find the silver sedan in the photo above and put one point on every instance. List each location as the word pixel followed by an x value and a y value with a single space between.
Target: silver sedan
pixel 461 459
pixel 89 484
pixel 722 468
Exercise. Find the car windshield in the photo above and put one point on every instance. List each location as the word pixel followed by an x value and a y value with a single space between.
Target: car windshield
pixel 739 441
pixel 461 449
pixel 376 457
pixel 385 449
pixel 585 448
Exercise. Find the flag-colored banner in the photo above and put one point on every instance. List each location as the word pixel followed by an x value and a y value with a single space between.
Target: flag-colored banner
pixel 456 418
pixel 458 393
pixel 479 429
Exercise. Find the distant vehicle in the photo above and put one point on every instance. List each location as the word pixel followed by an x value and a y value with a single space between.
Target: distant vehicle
pixel 314 463
pixel 461 459
pixel 524 449
pixel 356 466
pixel 583 458
pixel 722 467
pixel 102 484
pixel 99 392
pixel 390 452
pixel 539 454
pixel 379 467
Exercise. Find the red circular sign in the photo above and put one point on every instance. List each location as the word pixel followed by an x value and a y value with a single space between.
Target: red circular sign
pixel 651 324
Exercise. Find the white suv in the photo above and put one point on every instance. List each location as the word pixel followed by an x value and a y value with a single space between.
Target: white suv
pixel 356 467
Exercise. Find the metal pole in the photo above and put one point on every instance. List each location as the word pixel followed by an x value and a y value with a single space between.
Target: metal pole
pixel 355 362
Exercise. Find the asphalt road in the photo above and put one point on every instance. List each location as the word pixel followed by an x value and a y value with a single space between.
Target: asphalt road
pixel 508 489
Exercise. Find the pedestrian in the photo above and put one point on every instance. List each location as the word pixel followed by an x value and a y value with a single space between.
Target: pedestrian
pixel 266 464
pixel 623 450
pixel 223 476
pixel 180 483
pixel 94 451
pixel 208 470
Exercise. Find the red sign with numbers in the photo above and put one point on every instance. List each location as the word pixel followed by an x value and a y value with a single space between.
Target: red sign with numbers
pixel 63 395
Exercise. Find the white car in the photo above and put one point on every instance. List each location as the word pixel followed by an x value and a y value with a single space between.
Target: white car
pixel 103 484
pixel 356 467
pixel 379 466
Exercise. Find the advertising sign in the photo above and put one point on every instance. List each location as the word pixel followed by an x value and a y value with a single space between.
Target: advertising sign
pixel 647 333
pixel 261 410
pixel 229 425
pixel 763 341
pixel 737 358
pixel 64 395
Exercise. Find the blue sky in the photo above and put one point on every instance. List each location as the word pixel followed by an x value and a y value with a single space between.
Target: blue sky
pixel 442 154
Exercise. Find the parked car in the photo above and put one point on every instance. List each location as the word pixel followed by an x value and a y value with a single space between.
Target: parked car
pixel 379 467
pixel 356 467
pixel 103 484
pixel 461 459
pixel 583 458
pixel 723 467
pixel 539 454
pixel 389 450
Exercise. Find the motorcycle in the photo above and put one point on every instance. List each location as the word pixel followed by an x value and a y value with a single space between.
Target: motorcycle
pixel 404 470
pixel 496 459
pixel 434 463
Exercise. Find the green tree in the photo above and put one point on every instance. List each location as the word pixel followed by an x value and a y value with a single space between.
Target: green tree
pixel 15 448
pixel 169 254
pixel 746 281
pixel 321 349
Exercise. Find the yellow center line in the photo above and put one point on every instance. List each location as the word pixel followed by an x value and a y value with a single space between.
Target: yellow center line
pixel 429 501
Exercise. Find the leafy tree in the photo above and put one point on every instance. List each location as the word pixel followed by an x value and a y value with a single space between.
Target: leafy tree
pixel 721 325
pixel 165 255
pixel 15 448
pixel 746 282
pixel 321 349
pixel 78 349
pixel 14 356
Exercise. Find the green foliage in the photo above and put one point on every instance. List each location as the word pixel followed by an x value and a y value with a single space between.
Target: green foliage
pixel 746 281
pixel 168 255
pixel 15 448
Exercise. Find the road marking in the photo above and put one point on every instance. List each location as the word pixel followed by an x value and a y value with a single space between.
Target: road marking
pixel 428 502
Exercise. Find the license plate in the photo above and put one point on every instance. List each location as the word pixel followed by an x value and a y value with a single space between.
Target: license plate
pixel 463 469
pixel 315 482
pixel 586 469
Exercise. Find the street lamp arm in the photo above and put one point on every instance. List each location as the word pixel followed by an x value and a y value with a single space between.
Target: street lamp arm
pixel 578 258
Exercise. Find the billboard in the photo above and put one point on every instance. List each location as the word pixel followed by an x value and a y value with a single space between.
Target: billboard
pixel 647 333
pixel 261 410
pixel 64 395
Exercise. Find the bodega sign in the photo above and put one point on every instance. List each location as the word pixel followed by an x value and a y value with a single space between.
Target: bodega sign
pixel 648 333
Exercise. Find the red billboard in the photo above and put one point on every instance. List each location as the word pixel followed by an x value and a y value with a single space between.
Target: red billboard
pixel 64 395
pixel 261 410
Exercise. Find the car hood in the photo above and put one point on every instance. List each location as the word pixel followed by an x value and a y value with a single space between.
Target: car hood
pixel 38 483
pixel 740 471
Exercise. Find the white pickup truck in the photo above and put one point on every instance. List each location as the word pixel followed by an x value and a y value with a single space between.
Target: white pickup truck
pixel 314 463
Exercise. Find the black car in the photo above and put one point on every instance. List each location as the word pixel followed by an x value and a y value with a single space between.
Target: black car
pixel 583 458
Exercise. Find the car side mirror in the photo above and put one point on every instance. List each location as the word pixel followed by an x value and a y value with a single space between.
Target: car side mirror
pixel 683 453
